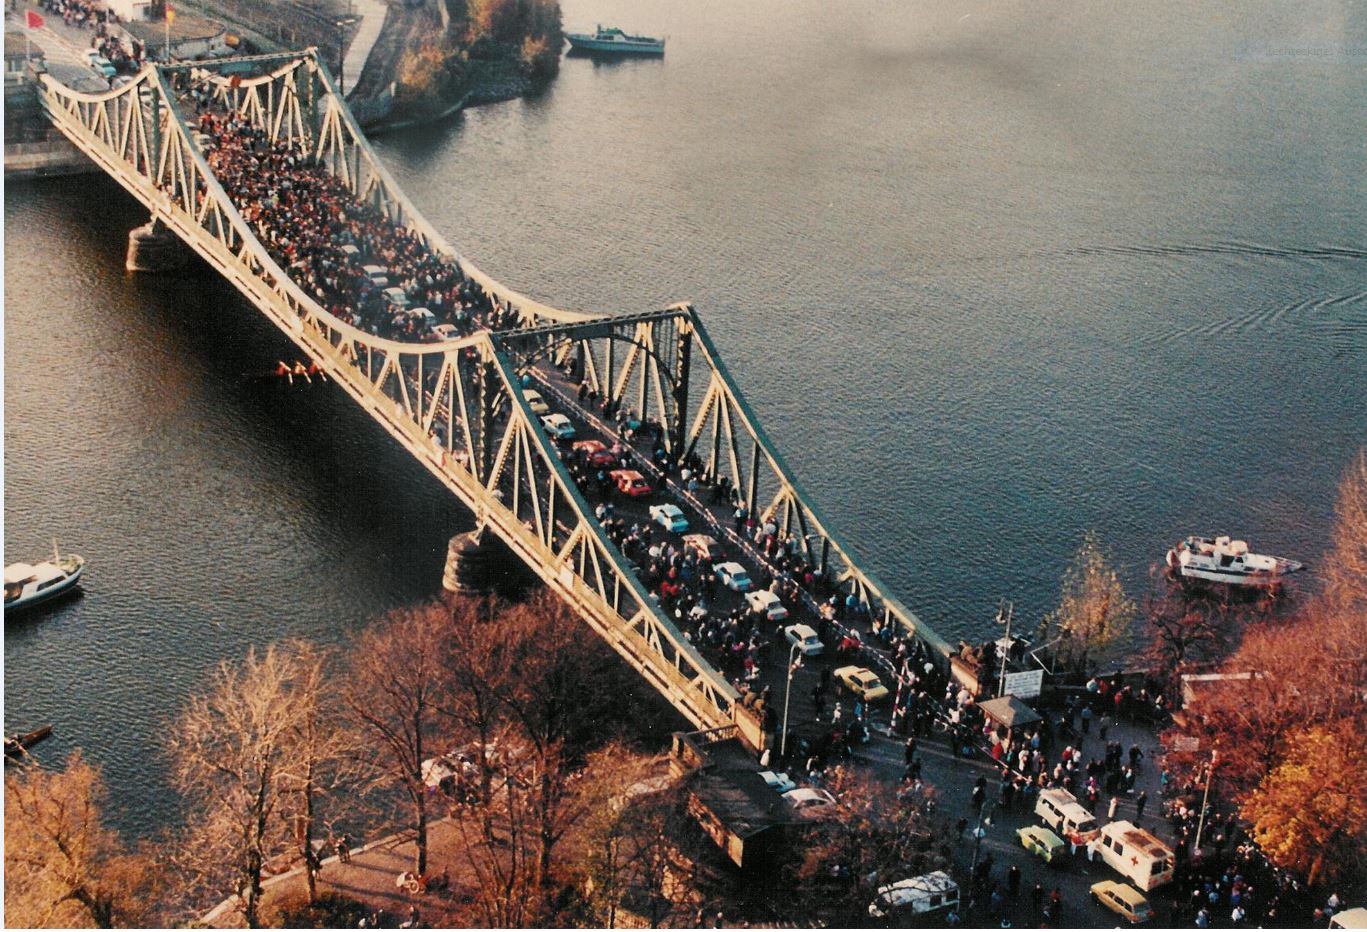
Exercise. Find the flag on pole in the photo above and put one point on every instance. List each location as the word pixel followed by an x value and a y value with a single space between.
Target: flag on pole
pixel 32 20
pixel 170 15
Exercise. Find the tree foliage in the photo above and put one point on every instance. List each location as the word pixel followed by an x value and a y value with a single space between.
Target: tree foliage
pixel 63 867
pixel 1310 813
pixel 1093 611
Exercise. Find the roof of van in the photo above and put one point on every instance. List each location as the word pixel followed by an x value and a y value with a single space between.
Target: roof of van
pixel 1355 918
pixel 1146 842
pixel 906 891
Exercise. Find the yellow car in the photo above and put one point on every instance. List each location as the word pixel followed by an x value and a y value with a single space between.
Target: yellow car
pixel 1123 899
pixel 1040 841
pixel 863 682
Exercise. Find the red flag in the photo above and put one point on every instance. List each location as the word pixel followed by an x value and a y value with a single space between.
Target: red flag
pixel 170 15
pixel 32 20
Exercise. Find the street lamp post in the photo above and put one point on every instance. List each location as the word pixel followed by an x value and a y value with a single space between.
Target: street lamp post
pixel 1205 797
pixel 342 25
pixel 1010 611
pixel 793 663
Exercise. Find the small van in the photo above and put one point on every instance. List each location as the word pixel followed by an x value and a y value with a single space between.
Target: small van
pixel 1136 854
pixel 916 899
pixel 1060 810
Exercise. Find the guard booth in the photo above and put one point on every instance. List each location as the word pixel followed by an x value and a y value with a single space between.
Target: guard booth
pixel 1009 717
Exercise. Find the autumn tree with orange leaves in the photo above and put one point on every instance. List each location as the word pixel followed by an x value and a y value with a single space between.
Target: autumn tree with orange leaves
pixel 1289 731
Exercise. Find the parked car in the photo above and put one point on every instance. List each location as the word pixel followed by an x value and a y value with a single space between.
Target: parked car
pixel 596 452
pixel 806 636
pixel 1123 899
pixel 863 682
pixel 705 546
pixel 916 901
pixel 536 402
pixel 767 604
pixel 558 426
pixel 811 803
pixel 1038 840
pixel 779 781
pixel 443 332
pixel 630 482
pixel 669 517
pixel 378 275
pixel 733 576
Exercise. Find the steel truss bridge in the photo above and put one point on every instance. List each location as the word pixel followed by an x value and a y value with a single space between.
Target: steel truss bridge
pixel 459 406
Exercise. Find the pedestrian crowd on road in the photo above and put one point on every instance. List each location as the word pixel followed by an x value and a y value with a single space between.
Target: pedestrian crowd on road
pixel 316 229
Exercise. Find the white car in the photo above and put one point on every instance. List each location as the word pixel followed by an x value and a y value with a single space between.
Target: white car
pixel 558 426
pixel 767 604
pixel 733 576
pixel 536 402
pixel 811 803
pixel 669 517
pixel 779 781
pixel 444 332
pixel 804 635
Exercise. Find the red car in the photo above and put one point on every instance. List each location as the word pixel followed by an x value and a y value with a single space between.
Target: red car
pixel 630 482
pixel 595 452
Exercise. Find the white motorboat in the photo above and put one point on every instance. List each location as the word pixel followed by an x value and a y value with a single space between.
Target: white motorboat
pixel 27 584
pixel 1226 561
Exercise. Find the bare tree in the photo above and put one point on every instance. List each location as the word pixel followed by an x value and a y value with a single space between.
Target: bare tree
pixel 399 680
pixel 228 749
pixel 560 681
pixel 323 760
pixel 63 866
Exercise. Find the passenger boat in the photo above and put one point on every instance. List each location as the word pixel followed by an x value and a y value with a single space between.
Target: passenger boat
pixel 27 584
pixel 17 745
pixel 615 41
pixel 1228 562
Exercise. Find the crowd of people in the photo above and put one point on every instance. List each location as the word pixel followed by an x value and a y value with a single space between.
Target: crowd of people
pixel 314 227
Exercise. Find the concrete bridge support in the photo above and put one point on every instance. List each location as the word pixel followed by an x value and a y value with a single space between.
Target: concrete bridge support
pixel 154 248
pixel 478 563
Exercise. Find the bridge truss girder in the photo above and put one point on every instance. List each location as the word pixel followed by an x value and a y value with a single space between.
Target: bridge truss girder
pixel 459 406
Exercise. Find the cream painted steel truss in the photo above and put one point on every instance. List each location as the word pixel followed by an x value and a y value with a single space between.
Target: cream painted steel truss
pixel 459 406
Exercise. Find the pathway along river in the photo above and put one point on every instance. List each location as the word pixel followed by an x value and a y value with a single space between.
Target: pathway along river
pixel 990 274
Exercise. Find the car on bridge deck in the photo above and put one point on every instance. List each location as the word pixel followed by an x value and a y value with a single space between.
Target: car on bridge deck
pixel 767 604
pixel 595 452
pixel 705 546
pixel 101 65
pixel 779 781
pixel 669 517
pixel 863 682
pixel 538 404
pixel 396 297
pixel 558 426
pixel 806 636
pixel 630 482
pixel 811 803
pixel 1038 840
pixel 378 275
pixel 733 576
pixel 442 333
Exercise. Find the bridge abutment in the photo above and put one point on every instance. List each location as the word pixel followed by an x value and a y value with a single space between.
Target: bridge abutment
pixel 152 247
pixel 478 563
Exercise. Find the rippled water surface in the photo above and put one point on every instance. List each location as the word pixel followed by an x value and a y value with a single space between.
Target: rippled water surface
pixel 991 274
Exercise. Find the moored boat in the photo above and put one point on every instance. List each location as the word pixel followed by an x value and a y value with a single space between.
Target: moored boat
pixel 17 745
pixel 613 40
pixel 1225 561
pixel 28 584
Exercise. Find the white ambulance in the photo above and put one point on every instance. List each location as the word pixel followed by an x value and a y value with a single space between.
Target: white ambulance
pixel 1138 855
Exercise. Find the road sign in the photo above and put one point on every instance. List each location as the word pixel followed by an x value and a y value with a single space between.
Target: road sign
pixel 1025 685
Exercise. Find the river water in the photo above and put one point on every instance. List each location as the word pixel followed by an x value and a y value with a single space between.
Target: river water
pixel 991 274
